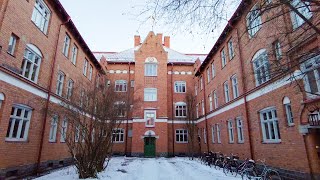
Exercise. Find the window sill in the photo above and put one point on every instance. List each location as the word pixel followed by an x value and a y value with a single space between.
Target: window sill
pixel 291 124
pixel 150 126
pixel 12 55
pixel 180 92
pixel 241 142
pixel 52 141
pixel 44 33
pixel 12 140
pixel 120 142
pixel 271 142
pixel 181 142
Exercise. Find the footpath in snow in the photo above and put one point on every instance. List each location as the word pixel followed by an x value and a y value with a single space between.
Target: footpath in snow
pixel 131 168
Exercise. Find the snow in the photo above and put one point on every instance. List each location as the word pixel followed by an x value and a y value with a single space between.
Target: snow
pixel 132 168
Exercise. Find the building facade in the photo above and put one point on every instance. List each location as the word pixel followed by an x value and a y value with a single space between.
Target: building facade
pixel 256 92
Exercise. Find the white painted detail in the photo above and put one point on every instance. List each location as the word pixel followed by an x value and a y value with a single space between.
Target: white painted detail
pixel 34 49
pixel 1 97
pixel 183 73
pixel 176 72
pixel 149 133
pixel 131 72
pixel 118 71
pixel 124 71
pixel 111 71
pixel 189 73
pixel 169 72
pixel 286 100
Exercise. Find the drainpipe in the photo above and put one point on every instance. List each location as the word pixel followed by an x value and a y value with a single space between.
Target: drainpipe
pixel 172 114
pixel 244 89
pixel 205 112
pixel 49 94
pixel 127 124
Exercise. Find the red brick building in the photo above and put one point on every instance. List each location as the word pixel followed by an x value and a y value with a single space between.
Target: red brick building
pixel 247 104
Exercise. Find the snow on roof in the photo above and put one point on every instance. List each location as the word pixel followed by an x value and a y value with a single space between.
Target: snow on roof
pixel 128 56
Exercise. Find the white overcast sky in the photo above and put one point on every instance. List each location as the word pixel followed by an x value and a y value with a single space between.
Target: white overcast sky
pixel 109 25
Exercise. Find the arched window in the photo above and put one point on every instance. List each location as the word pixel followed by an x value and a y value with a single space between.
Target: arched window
pixel 261 67
pixel 151 67
pixel 254 21
pixel 1 99
pixel 289 114
pixel 181 109
pixel 31 63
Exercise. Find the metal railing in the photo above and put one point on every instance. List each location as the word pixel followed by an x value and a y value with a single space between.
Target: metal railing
pixel 314 118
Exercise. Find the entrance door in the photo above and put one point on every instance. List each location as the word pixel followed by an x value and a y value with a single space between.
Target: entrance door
pixel 149 146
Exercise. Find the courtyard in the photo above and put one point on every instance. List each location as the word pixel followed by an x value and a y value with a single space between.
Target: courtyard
pixel 132 168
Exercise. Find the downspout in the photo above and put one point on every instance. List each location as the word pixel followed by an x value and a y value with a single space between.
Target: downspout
pixel 205 112
pixel 244 89
pixel 49 94
pixel 172 110
pixel 127 124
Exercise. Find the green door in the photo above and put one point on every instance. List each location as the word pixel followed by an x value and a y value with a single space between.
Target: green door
pixel 150 147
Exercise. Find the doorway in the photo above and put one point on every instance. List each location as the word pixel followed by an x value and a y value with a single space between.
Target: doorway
pixel 149 146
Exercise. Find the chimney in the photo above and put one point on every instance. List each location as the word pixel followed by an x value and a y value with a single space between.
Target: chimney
pixel 167 41
pixel 159 36
pixel 137 40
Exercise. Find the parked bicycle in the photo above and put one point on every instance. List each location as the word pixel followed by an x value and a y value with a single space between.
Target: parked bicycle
pixel 251 173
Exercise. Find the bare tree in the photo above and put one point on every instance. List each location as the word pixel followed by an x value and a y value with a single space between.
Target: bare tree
pixel 191 125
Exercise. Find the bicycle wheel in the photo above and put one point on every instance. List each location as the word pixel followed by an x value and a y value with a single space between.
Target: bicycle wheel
pixel 272 175
pixel 227 169
pixel 248 174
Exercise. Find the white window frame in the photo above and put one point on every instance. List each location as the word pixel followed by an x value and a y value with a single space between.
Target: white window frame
pixel 208 74
pixel 239 123
pixel 120 86
pixel 90 72
pixel 277 49
pixel 218 133
pixel 41 16
pixel 311 76
pixel 85 67
pixel 231 131
pixel 197 110
pixel 60 83
pixel 64 130
pixel 204 135
pixel 213 134
pixel 210 102
pixel 272 124
pixel 69 89
pixel 35 60
pixel 215 99
pixel 202 107
pixel 150 94
pixel 180 87
pixel 120 108
pixel 201 83
pixel 53 129
pixel 12 44
pixel 19 114
pixel 151 112
pixel 223 58
pixel 118 135
pixel 74 54
pixel 66 45
pixel 254 22
pixel 151 69
pixel 213 70
pixel 231 49
pixel 180 110
pixel 235 88
pixel 132 83
pixel 77 133
pixel 226 91
pixel 181 136
pixel 304 9
pixel 261 67
pixel 288 109
pixel 196 90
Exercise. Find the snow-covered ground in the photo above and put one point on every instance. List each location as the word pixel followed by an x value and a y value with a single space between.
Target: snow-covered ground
pixel 130 168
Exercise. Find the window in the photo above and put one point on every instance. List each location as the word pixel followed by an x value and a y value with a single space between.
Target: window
pixel 270 125
pixel 197 110
pixel 150 117
pixel 82 94
pixel 223 58
pixel 180 87
pixel 41 16
pixel 121 86
pixel 254 21
pixel 213 70
pixel 304 9
pixel 19 123
pixel 210 102
pixel 69 88
pixel 235 89
pixel 204 135
pixel 201 83
pixel 218 133
pixel 90 72
pixel 85 67
pixel 311 71
pixel 98 81
pixel 150 69
pixel 212 134
pixel 226 91
pixel 150 94
pixel 66 45
pixel 77 133
pixel 277 50
pixel 289 114
pixel 118 135
pixel 208 75
pixel 231 131
pixel 231 50
pixel 64 128
pixel 12 44
pixel 202 107
pixel 196 90
pixel 261 67
pixel 120 107
pixel 108 83
pixel 74 54
pixel 181 109
pixel 60 82
pixel 215 98
pixel 1 99
pixel 182 136
pixel 132 83
pixel 31 63
pixel 240 130
pixel 53 129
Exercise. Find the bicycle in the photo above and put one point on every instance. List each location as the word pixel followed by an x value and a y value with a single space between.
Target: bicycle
pixel 266 174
